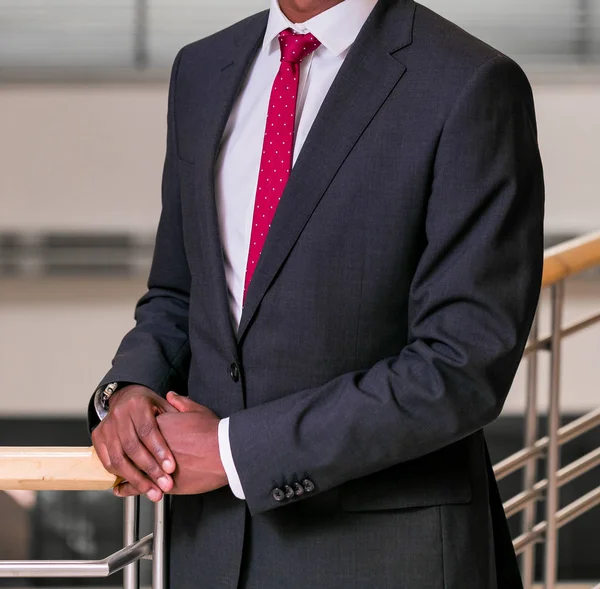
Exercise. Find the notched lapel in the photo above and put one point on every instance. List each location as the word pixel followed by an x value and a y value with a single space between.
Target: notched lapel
pixel 366 79
pixel 230 72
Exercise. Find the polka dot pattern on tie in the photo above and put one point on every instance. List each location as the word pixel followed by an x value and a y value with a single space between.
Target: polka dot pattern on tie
pixel 278 145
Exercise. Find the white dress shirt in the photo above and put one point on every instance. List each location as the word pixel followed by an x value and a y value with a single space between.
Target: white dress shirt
pixel 241 146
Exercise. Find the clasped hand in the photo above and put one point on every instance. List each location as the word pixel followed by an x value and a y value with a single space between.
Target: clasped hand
pixel 159 446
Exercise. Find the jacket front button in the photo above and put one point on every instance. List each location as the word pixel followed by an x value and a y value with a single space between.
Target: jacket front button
pixel 278 495
pixel 289 492
pixel 234 372
pixel 298 490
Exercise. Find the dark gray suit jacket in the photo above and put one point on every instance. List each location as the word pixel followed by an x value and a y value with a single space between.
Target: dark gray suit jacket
pixel 382 328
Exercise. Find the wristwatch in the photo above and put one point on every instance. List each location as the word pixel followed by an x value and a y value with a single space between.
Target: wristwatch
pixel 102 397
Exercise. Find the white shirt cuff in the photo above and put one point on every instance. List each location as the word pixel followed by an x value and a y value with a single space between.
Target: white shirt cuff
pixel 227 459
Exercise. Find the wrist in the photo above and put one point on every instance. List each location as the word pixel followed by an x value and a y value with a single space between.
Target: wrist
pixel 119 393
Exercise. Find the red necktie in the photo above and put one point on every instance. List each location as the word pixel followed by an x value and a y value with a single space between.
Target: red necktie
pixel 278 146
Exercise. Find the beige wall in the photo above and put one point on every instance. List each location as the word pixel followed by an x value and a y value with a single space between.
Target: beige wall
pixel 89 157
pixel 81 157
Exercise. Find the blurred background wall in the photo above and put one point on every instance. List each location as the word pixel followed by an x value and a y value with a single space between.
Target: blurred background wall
pixel 82 132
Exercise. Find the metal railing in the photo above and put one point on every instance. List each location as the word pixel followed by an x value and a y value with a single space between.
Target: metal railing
pixel 561 263
pixel 80 468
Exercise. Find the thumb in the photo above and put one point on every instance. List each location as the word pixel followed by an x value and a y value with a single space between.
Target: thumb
pixel 182 404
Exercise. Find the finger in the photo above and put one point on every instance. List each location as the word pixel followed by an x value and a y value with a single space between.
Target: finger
pixel 182 404
pixel 102 453
pixel 120 465
pixel 139 455
pixel 148 433
pixel 125 490
pixel 165 407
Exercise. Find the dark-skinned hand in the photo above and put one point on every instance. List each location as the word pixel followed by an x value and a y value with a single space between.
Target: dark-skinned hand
pixel 130 444
pixel 192 436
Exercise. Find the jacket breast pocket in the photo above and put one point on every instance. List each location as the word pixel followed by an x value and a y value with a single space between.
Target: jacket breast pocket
pixel 441 478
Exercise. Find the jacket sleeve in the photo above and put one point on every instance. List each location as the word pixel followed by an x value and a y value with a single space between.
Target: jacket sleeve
pixel 155 353
pixel 472 301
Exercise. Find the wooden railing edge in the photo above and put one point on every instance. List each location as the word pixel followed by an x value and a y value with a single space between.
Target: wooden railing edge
pixel 571 257
pixel 53 469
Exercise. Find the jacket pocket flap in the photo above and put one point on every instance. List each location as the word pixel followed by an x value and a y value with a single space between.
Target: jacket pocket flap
pixel 438 479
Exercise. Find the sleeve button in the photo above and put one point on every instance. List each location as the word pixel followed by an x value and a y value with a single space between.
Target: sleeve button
pixel 278 495
pixel 308 485
pixel 289 492
pixel 298 490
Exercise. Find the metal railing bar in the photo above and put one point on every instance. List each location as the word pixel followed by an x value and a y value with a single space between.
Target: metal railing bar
pixel 553 455
pixel 77 568
pixel 29 569
pixel 519 459
pixel 579 507
pixel 531 434
pixel 131 530
pixel 544 343
pixel 563 517
pixel 565 476
pixel 159 551
pixel 135 552
pixel 568 432
pixel 517 503
pixel 579 426
pixel 579 467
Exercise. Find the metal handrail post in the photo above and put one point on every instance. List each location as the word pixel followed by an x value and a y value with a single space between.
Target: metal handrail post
pixel 131 531
pixel 553 457
pixel 159 551
pixel 530 471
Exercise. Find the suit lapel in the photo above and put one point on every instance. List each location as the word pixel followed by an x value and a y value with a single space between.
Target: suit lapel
pixel 225 87
pixel 366 79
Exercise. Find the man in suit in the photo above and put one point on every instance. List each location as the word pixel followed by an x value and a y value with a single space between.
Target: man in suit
pixel 346 269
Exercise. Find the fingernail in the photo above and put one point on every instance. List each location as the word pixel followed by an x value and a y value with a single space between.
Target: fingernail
pixel 174 393
pixel 153 495
pixel 168 465
pixel 164 483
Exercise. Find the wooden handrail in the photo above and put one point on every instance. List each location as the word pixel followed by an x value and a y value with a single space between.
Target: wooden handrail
pixel 53 469
pixel 570 258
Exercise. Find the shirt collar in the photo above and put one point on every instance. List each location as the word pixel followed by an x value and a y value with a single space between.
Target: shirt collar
pixel 336 28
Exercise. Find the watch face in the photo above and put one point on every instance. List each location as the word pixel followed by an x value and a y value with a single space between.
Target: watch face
pixel 107 393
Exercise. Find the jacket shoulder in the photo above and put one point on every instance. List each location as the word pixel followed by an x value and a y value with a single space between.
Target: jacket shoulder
pixel 224 38
pixel 448 45
pixel 446 58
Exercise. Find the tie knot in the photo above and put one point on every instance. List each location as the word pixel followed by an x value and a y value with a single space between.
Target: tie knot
pixel 295 47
